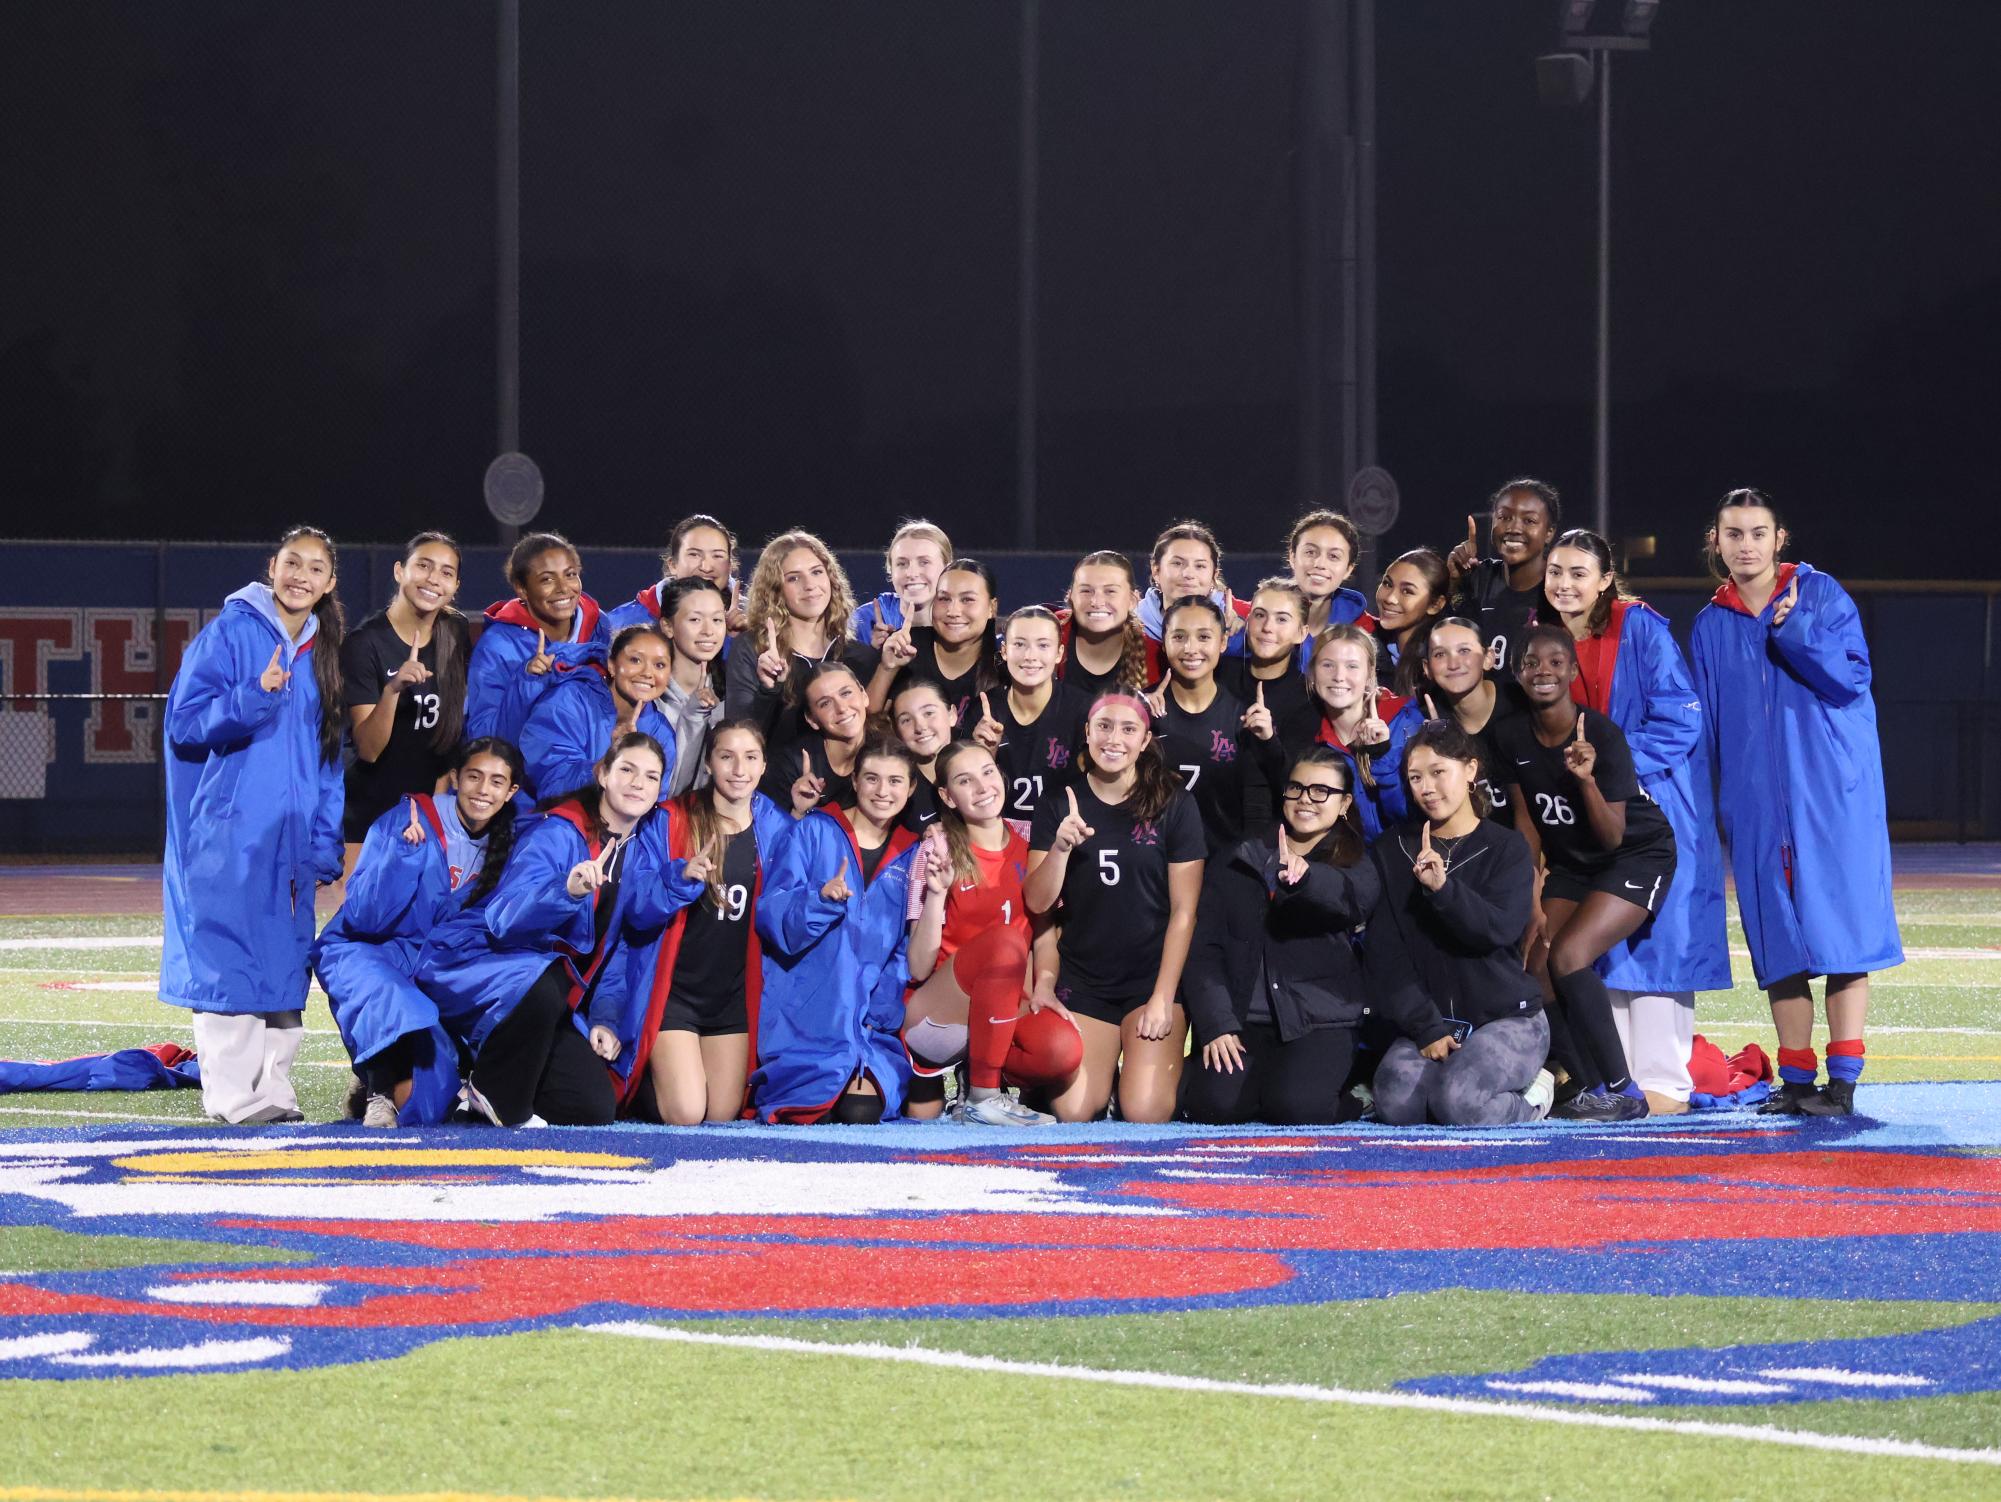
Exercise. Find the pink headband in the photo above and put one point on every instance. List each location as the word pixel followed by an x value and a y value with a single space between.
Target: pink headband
pixel 1120 696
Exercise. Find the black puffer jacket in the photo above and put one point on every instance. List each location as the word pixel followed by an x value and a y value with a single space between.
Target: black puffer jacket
pixel 1252 930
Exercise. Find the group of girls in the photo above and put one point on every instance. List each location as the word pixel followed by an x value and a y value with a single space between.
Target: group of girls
pixel 752 848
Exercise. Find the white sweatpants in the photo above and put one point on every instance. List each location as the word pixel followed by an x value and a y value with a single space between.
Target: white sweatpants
pixel 1657 1031
pixel 246 1064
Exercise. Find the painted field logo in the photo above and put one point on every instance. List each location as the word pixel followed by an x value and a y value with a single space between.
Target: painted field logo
pixel 435 1235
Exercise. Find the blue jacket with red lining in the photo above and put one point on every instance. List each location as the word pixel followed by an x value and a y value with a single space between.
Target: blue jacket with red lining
pixel 656 918
pixel 570 728
pixel 834 973
pixel 480 961
pixel 253 815
pixel 1791 727
pixel 499 690
pixel 366 956
pixel 1634 673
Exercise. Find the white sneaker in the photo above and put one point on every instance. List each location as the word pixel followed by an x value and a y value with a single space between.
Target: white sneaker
pixel 381 1112
pixel 1541 1094
pixel 999 1109
pixel 534 1121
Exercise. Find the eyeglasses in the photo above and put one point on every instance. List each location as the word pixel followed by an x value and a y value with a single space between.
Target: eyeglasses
pixel 1312 792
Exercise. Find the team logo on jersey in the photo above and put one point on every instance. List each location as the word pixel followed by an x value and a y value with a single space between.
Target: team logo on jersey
pixel 1058 756
pixel 1222 747
pixel 1146 832
pixel 437 1234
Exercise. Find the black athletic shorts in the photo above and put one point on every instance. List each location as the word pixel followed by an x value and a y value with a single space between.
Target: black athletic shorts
pixel 684 1014
pixel 1641 878
pixel 1112 1009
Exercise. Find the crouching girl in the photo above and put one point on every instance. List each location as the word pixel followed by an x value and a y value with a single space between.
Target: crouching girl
pixel 422 860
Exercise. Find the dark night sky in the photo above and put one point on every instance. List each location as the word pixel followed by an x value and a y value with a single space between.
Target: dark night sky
pixel 769 267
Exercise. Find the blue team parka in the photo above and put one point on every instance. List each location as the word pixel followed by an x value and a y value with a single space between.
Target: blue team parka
pixel 253 815
pixel 1650 695
pixel 481 960
pixel 570 728
pixel 499 690
pixel 1792 729
pixel 834 973
pixel 655 919
pixel 366 957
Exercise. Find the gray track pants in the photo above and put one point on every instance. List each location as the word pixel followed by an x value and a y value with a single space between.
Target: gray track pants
pixel 1480 1084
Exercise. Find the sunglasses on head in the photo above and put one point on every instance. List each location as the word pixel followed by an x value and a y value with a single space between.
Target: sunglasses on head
pixel 1312 792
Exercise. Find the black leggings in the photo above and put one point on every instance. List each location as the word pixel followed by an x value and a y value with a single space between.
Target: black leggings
pixel 1287 1084
pixel 536 1063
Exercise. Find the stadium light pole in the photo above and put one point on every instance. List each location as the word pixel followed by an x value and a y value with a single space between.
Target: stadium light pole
pixel 507 238
pixel 1565 79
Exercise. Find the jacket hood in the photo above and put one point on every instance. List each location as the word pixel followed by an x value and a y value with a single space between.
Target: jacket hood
pixel 257 600
pixel 513 612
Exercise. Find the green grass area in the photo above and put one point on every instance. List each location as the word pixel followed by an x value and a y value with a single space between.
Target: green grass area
pixel 1930 1019
pixel 575 1414
pixel 44 1249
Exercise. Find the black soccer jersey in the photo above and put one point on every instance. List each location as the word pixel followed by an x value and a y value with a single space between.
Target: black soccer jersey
pixel 1211 752
pixel 709 970
pixel 1115 896
pixel 1283 694
pixel 1034 758
pixel 1555 804
pixel 369 657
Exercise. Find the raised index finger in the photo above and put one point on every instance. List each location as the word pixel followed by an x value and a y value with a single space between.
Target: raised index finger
pixel 541 641
pixel 1424 837
pixel 986 710
pixel 1071 794
pixel 1580 727
pixel 1472 533
pixel 277 655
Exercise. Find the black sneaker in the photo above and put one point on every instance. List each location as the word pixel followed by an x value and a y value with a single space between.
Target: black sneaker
pixel 1835 1098
pixel 1791 1100
pixel 1599 1105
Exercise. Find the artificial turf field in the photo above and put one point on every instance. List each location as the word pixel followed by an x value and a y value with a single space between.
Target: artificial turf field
pixel 1707 1306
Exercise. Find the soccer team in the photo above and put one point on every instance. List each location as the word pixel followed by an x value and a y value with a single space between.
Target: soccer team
pixel 1450 855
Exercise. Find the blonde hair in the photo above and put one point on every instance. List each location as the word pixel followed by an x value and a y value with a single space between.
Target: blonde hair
pixel 916 526
pixel 764 609
pixel 958 840
pixel 1348 633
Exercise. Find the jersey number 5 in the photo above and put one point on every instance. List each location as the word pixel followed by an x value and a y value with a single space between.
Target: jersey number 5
pixel 1108 867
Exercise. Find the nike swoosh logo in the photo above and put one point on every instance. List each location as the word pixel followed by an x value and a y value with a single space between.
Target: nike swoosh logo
pixel 1521 763
pixel 1637 886
pixel 1001 1021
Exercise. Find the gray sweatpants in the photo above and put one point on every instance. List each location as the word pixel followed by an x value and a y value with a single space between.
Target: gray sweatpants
pixel 246 1064
pixel 1480 1084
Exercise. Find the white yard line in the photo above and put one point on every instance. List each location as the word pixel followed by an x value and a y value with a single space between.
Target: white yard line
pixel 140 1116
pixel 165 1025
pixel 102 941
pixel 1308 1393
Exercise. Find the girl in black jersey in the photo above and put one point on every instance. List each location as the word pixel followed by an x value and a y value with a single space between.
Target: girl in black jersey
pixel 1206 733
pixel 797 620
pixel 1104 645
pixel 957 650
pixel 819 768
pixel 708 974
pixel 1036 726
pixel 1409 601
pixel 1607 851
pixel 1119 857
pixel 403 680
pixel 1271 657
pixel 1457 684
pixel 925 724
